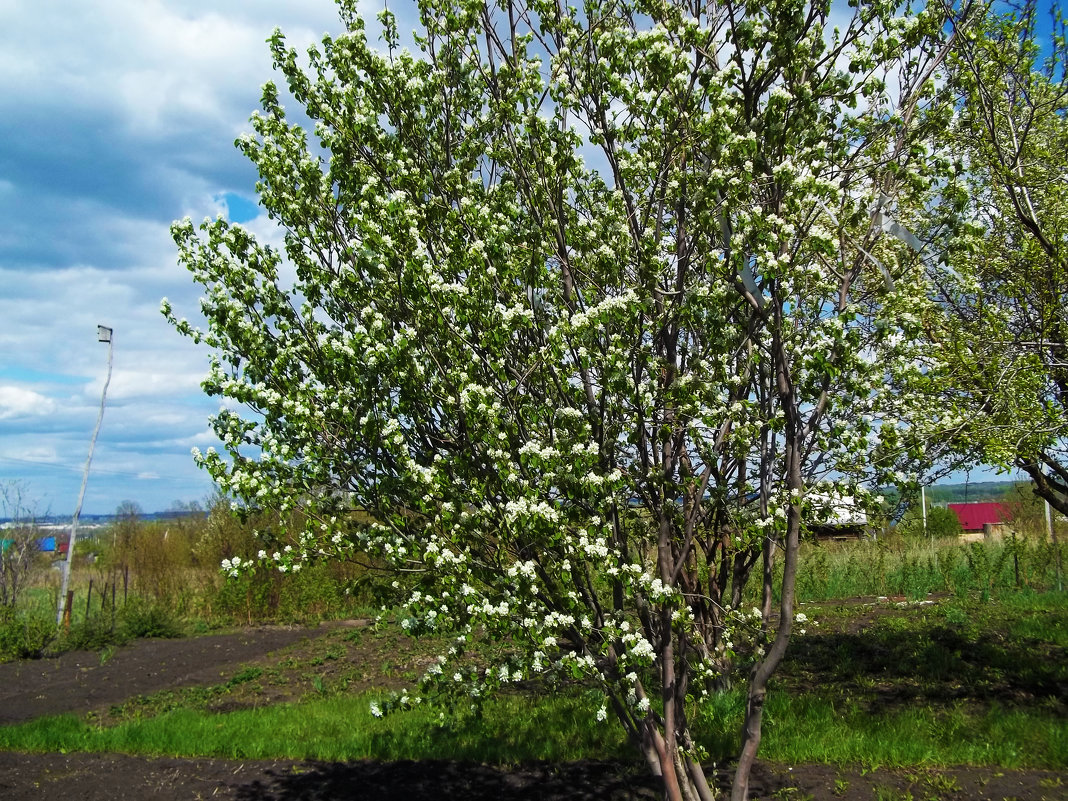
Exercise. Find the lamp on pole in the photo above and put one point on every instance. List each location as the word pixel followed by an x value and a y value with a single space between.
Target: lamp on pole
pixel 103 334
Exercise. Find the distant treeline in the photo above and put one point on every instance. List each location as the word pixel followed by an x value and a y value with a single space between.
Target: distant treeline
pixel 105 520
pixel 975 491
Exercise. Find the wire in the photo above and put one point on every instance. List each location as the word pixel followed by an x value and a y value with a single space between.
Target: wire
pixel 73 468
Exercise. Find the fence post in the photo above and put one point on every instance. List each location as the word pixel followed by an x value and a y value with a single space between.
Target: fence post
pixel 67 608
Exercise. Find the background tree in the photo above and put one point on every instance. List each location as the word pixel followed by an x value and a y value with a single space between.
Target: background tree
pixel 123 532
pixel 942 523
pixel 577 406
pixel 19 547
pixel 1004 332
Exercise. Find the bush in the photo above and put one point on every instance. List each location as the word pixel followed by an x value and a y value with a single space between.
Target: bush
pixel 941 524
pixel 25 636
pixel 140 619
pixel 91 634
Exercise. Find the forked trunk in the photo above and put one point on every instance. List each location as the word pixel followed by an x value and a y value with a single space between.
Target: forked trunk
pixel 683 778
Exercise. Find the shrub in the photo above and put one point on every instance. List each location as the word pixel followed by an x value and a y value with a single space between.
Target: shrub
pixel 941 524
pixel 147 619
pixel 25 636
pixel 91 634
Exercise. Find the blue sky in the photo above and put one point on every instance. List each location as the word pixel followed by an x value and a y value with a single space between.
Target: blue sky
pixel 117 117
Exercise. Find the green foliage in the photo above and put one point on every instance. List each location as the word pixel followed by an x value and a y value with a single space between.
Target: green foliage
pixel 149 619
pixel 92 633
pixel 973 491
pixel 105 628
pixel 173 567
pixel 318 591
pixel 1001 221
pixel 941 524
pixel 25 635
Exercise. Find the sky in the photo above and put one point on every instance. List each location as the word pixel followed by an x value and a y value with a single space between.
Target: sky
pixel 116 118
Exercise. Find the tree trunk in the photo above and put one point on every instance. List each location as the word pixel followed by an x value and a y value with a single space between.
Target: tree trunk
pixel 683 778
pixel 762 672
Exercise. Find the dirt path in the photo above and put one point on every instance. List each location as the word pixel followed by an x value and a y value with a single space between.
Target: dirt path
pixel 79 681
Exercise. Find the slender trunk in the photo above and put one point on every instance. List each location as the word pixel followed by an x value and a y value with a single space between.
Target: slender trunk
pixel 754 710
pixel 762 672
pixel 758 683
pixel 666 748
pixel 665 764
pixel 698 780
pixel 649 749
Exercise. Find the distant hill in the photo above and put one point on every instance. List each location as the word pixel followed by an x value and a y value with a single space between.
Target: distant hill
pixel 973 491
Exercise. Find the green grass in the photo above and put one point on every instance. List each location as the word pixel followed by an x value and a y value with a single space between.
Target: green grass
pixel 513 729
pixel 808 728
pixel 828 729
pixel 839 730
pixel 915 568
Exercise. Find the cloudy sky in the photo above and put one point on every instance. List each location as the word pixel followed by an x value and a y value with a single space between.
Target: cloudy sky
pixel 117 117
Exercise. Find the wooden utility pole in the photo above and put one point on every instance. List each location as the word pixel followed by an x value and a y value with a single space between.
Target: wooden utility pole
pixel 103 334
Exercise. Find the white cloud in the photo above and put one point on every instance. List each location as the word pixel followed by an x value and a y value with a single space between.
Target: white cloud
pixel 143 384
pixel 156 61
pixel 201 439
pixel 44 454
pixel 17 402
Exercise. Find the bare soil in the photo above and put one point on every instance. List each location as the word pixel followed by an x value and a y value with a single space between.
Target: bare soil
pixel 272 664
pixel 83 681
pixel 102 777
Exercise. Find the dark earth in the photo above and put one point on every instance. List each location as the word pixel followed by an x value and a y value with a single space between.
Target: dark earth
pixel 105 684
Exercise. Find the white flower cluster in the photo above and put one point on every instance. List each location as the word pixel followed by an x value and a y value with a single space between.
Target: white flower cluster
pixel 524 508
pixel 232 567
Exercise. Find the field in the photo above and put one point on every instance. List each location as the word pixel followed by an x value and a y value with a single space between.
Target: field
pixel 952 685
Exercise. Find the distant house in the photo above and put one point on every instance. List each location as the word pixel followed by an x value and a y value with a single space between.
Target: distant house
pixel 985 518
pixel 47 544
pixel 836 516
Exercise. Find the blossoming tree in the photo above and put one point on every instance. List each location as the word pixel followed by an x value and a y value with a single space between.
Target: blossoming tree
pixel 575 307
pixel 1003 334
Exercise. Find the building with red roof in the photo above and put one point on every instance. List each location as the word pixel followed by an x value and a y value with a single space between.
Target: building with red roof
pixel 977 516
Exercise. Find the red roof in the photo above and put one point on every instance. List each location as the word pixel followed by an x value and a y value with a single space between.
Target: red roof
pixel 973 516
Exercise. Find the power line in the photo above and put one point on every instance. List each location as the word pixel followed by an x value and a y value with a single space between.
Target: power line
pixel 72 468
